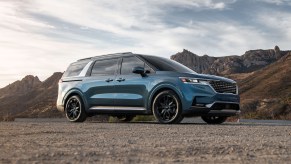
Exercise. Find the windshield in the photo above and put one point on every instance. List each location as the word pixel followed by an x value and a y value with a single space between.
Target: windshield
pixel 164 64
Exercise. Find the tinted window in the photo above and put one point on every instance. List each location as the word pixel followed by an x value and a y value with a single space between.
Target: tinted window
pixel 128 63
pixel 164 64
pixel 75 69
pixel 104 67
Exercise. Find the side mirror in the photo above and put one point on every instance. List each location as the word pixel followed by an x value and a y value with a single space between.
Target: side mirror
pixel 138 70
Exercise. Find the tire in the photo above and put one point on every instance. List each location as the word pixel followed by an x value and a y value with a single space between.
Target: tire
pixel 167 108
pixel 74 109
pixel 214 119
pixel 125 118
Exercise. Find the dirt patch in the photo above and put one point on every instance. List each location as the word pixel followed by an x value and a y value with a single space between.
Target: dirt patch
pixel 91 142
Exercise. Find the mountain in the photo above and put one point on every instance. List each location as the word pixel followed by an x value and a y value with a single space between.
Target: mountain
pixel 30 97
pixel 250 61
pixel 27 84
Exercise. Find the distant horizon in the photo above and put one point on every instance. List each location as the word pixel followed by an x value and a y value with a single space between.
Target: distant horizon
pixel 40 37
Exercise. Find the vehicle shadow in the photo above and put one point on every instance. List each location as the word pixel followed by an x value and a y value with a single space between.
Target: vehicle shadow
pixel 198 123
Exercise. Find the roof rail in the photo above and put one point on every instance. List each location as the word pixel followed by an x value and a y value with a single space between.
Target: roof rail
pixel 107 55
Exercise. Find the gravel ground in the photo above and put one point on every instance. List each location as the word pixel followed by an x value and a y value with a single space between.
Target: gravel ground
pixel 91 142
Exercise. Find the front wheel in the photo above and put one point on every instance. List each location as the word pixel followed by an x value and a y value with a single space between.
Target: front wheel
pixel 214 119
pixel 167 107
pixel 74 110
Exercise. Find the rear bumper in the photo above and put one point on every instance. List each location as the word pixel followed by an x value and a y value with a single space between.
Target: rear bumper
pixel 60 108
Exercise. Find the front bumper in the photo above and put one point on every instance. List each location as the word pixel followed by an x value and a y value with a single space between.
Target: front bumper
pixel 203 100
pixel 214 109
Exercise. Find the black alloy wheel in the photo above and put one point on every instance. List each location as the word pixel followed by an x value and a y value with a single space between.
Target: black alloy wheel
pixel 214 119
pixel 74 110
pixel 167 107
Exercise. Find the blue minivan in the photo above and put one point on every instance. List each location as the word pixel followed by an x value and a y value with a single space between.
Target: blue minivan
pixel 125 85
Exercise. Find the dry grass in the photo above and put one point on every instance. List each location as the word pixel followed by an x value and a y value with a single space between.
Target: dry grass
pixel 7 118
pixel 144 118
pixel 267 109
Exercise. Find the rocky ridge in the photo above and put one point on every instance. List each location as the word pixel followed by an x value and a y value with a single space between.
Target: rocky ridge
pixel 30 97
pixel 25 85
pixel 250 61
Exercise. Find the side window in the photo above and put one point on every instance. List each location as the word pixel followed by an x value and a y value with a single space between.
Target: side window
pixel 75 69
pixel 104 67
pixel 128 63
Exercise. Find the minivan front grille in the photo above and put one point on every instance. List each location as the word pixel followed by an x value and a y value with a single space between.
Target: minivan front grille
pixel 223 87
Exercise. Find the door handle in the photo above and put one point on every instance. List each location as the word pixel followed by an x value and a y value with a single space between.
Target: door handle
pixel 120 79
pixel 109 80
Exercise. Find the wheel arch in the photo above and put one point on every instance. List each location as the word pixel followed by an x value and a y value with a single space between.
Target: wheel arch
pixel 75 92
pixel 161 88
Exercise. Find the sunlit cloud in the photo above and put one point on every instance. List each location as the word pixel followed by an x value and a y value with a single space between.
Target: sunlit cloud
pixel 277 2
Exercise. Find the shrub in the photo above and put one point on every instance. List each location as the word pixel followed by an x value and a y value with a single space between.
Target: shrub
pixel 144 118
pixel 138 118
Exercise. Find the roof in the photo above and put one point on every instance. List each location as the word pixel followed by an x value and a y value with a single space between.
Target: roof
pixel 108 56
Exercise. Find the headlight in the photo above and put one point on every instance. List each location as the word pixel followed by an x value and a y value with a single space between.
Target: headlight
pixel 193 80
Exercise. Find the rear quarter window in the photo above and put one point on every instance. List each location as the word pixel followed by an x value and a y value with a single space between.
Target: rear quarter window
pixel 75 69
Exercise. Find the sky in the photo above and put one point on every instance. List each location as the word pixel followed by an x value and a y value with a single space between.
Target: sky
pixel 39 37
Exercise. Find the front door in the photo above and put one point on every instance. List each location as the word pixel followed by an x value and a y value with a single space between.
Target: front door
pixel 131 89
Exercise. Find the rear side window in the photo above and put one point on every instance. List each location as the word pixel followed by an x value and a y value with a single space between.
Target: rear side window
pixel 75 69
pixel 104 67
pixel 128 63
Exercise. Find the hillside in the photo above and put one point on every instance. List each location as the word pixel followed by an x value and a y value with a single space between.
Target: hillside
pixel 266 93
pixel 30 97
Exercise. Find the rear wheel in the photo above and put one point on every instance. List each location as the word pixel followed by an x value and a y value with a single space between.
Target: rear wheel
pixel 214 119
pixel 167 107
pixel 74 110
pixel 125 118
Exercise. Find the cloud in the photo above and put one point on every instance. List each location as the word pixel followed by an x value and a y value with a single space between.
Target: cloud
pixel 277 2
pixel 139 22
pixel 278 23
